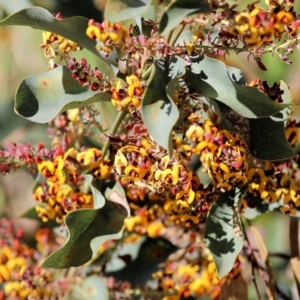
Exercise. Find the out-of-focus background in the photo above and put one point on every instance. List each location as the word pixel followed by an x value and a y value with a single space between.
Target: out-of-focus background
pixel 20 56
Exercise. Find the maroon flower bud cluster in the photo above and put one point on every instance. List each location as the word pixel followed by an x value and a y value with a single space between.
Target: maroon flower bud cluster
pixel 18 155
pixel 86 76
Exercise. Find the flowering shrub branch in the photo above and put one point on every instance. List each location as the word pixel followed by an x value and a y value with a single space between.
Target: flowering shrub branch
pixel 193 151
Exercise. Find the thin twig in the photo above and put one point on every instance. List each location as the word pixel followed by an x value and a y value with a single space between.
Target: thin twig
pixel 264 255
pixel 284 45
pixel 176 35
pixel 253 262
pixel 145 75
pixel 121 115
pixel 100 129
pixel 198 47
pixel 169 36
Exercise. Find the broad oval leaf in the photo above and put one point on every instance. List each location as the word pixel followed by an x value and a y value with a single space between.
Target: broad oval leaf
pixel 73 28
pixel 122 10
pixel 40 98
pixel 223 233
pixel 211 78
pixel 179 10
pixel 159 112
pixel 265 137
pixel 83 226
pixel 177 67
pixel 86 225
pixel 236 75
pixel 268 141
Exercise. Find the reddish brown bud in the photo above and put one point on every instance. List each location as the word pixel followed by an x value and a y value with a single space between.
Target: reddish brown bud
pixel 94 86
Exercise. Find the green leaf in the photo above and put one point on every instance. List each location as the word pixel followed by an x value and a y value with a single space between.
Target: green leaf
pixel 40 98
pixel 31 213
pixel 39 18
pixel 177 67
pixel 159 112
pixel 122 10
pixel 268 139
pixel 179 10
pixel 265 137
pixel 212 78
pixel 236 75
pixel 223 232
pixel 185 37
pixel 85 226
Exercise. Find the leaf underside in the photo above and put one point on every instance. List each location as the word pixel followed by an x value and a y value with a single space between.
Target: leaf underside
pixel 159 112
pixel 89 228
pixel 212 78
pixel 223 232
pixel 42 97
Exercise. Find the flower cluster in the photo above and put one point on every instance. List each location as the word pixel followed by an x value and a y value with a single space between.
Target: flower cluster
pixel 258 26
pixel 191 273
pixel 130 96
pixel 18 155
pixel 222 153
pixel 267 185
pixel 64 189
pixel 146 221
pixel 20 275
pixel 55 45
pixel 292 132
pixel 109 34
pixel 86 76
pixel 186 280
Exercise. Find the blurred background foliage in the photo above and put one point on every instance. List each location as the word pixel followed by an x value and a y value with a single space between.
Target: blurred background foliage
pixel 21 57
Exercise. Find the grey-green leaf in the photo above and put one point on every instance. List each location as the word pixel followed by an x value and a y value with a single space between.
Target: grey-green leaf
pixel 159 112
pixel 177 67
pixel 83 226
pixel 89 228
pixel 211 78
pixel 40 98
pixel 223 233
pixel 265 137
pixel 73 28
pixel 270 141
